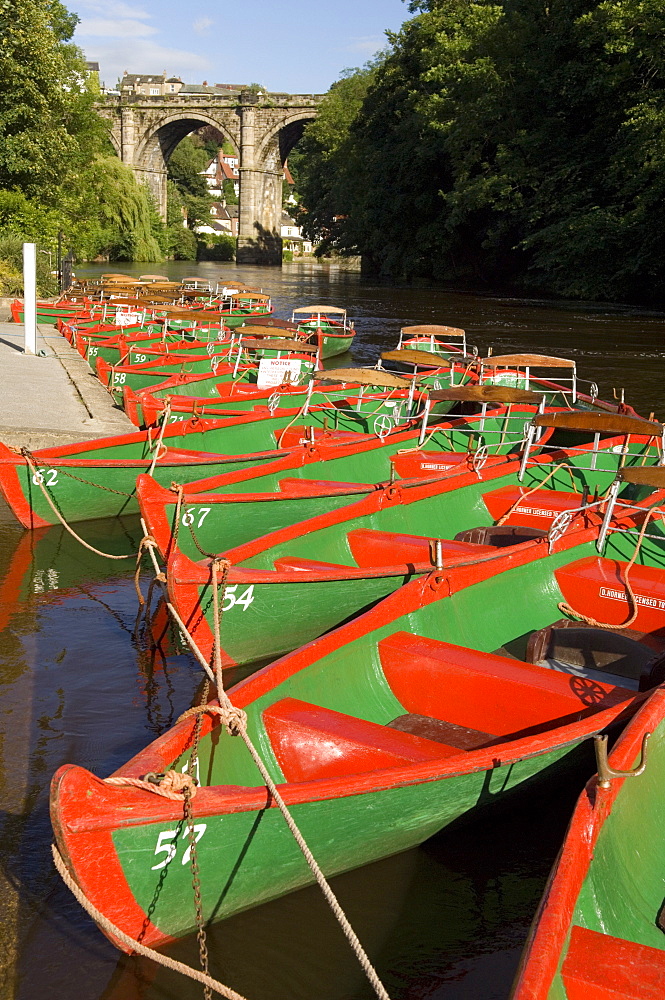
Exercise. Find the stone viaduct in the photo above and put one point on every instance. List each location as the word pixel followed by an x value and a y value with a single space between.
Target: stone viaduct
pixel 263 129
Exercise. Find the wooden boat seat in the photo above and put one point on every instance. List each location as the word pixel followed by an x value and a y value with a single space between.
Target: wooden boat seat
pixel 314 487
pixel 388 548
pixel 538 510
pixel 311 742
pixel 500 536
pixel 484 691
pixel 600 967
pixel 412 464
pixel 621 653
pixel 595 586
pixel 442 732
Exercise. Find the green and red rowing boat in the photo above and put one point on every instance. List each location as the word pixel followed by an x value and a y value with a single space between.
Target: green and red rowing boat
pixel 327 327
pixel 245 506
pixel 98 478
pixel 294 584
pixel 600 930
pixel 423 710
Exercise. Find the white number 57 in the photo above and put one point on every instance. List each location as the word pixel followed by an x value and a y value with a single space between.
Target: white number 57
pixel 165 845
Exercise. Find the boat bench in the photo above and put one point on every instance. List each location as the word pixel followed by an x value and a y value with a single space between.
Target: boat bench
pixel 416 464
pixel 601 967
pixel 595 586
pixel 370 547
pixel 624 653
pixel 311 742
pixel 484 691
pixel 538 510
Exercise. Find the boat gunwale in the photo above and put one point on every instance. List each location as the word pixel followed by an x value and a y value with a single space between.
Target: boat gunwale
pixel 552 922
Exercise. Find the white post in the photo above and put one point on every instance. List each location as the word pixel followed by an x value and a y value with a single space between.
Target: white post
pixel 30 297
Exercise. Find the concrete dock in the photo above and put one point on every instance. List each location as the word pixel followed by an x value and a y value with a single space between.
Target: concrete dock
pixel 52 400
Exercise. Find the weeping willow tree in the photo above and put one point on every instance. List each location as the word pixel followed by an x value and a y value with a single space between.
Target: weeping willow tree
pixel 121 220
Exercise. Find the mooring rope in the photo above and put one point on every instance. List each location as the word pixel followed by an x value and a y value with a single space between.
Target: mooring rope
pixel 235 720
pixel 38 480
pixel 534 489
pixel 132 943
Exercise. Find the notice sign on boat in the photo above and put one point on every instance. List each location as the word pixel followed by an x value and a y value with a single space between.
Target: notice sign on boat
pixel 276 371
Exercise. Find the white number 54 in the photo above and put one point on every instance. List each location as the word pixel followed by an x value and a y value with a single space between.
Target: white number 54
pixel 244 599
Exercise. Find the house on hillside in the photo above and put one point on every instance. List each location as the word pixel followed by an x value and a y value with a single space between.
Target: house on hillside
pixel 292 237
pixel 222 167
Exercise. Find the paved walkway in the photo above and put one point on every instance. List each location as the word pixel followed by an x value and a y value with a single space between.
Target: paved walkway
pixel 52 400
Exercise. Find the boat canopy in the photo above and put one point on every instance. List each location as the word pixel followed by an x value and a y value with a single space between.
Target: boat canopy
pixel 526 361
pixel 599 423
pixel 649 476
pixel 363 376
pixel 486 394
pixel 431 329
pixel 320 310
pixel 257 330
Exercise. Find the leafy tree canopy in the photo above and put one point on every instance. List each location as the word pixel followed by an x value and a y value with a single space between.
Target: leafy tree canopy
pixel 506 143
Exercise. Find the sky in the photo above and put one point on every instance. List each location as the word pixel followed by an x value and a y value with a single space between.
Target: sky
pixel 296 46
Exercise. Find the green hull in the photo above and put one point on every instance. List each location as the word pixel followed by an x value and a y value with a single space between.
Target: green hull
pixel 352 811
pixel 343 833
pixel 230 524
pixel 284 611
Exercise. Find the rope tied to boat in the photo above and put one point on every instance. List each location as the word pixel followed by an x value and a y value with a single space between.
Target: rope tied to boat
pixel 170 785
pixel 235 719
pixel 38 479
pixel 159 448
pixel 630 594
pixel 130 942
pixel 229 715
pixel 534 489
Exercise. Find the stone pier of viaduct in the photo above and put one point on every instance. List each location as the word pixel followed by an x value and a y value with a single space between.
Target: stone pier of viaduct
pixel 263 129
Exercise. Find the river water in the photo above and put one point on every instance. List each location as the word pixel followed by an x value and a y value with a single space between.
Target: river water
pixel 446 921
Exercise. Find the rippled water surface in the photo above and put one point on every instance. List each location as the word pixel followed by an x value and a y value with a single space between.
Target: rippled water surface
pixel 445 921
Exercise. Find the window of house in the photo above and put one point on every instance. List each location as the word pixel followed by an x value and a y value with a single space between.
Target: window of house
pixel 154 91
pixel 172 88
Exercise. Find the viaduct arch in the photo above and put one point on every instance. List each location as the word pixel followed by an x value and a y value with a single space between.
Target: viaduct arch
pixel 263 129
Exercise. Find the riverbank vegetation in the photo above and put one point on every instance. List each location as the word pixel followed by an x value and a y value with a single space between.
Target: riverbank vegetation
pixel 58 170
pixel 508 144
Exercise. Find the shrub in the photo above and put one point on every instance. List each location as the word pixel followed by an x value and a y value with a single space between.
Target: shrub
pixel 222 248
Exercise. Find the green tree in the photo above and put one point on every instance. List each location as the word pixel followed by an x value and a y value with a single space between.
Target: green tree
pixel 184 169
pixel 47 123
pixel 507 143
pixel 325 168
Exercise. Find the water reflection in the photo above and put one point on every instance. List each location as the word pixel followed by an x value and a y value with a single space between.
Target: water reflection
pixel 446 921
